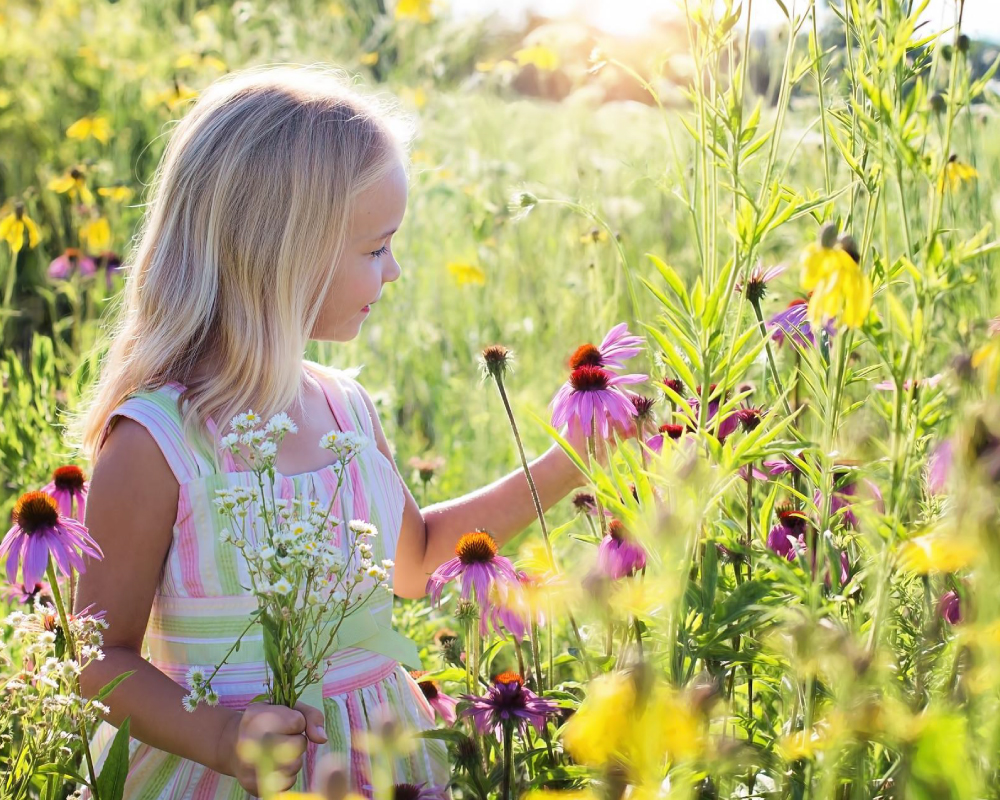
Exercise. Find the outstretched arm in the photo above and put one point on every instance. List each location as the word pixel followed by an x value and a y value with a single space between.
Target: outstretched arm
pixel 505 507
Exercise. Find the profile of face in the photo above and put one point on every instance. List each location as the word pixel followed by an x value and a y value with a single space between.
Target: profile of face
pixel 367 262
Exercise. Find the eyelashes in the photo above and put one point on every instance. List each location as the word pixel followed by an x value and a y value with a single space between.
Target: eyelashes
pixel 380 252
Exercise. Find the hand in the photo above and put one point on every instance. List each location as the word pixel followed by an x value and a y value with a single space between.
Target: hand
pixel 280 730
pixel 579 442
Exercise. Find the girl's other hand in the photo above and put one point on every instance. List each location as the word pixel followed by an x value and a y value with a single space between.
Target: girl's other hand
pixel 271 726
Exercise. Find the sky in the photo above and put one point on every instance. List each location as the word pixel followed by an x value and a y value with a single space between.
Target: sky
pixel 981 18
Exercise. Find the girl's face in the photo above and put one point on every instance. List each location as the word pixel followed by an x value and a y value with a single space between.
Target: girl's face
pixel 367 262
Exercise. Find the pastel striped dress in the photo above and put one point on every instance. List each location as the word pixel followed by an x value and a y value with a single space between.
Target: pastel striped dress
pixel 200 608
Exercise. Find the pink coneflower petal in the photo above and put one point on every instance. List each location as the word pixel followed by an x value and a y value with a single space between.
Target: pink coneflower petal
pixel 618 346
pixel 939 466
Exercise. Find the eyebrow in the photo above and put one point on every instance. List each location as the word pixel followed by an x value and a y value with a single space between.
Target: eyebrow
pixel 387 233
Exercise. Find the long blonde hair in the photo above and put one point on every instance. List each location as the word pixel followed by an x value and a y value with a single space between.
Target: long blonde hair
pixel 248 212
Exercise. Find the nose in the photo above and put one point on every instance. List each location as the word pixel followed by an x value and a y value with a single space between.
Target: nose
pixel 392 271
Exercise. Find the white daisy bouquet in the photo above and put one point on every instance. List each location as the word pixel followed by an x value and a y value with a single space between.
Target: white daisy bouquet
pixel 307 579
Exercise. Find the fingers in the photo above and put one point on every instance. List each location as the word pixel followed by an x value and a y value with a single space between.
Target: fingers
pixel 314 722
pixel 277 719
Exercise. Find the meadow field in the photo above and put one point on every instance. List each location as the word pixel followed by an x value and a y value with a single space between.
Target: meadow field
pixel 785 581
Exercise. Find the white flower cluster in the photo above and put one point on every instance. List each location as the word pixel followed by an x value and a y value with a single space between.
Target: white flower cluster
pixel 345 444
pixel 45 692
pixel 201 690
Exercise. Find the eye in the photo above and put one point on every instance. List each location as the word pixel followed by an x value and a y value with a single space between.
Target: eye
pixel 380 252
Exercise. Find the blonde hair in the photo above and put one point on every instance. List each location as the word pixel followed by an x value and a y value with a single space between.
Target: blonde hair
pixel 248 212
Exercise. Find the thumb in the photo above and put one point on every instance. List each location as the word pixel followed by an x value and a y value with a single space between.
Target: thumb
pixel 314 722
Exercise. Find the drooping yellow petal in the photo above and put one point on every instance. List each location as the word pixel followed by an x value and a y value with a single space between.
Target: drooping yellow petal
pixel 117 194
pixel 545 58
pixel 933 553
pixel 466 273
pixel 414 9
pixel 96 234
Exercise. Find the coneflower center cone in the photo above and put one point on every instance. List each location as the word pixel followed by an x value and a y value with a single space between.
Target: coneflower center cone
pixel 589 378
pixel 509 677
pixel 476 547
pixel 586 355
pixel 36 510
pixel 68 477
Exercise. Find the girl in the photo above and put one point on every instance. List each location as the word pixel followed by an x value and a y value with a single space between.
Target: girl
pixel 270 223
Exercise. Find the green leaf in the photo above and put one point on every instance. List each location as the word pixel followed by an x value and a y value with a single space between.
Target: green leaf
pixel 109 687
pixel 111 781
pixel 672 278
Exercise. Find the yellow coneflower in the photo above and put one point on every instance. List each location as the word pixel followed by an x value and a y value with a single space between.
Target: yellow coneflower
pixel 74 183
pixel 15 225
pixel 594 235
pixel 173 96
pixel 97 127
pixel 830 270
pixel 544 58
pixel 119 193
pixel 466 273
pixel 96 234
pixel 415 9
pixel 369 59
pixel 955 173
pixel 189 60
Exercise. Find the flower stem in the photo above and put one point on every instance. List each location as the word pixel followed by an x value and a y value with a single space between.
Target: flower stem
pixel 71 646
pixel 508 761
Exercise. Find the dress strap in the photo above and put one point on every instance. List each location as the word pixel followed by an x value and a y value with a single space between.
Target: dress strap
pixel 343 393
pixel 158 412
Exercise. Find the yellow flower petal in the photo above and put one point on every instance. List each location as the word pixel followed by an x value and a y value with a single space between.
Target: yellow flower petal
pixel 933 553
pixel 545 58
pixel 466 273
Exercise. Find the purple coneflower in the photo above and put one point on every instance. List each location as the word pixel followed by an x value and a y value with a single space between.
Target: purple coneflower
pixel 514 612
pixel 26 594
pixel 758 279
pixel 442 703
pixel 787 538
pixel 950 608
pixel 749 417
pixel 727 425
pixel 592 395
pixel 617 346
pixel 793 321
pixel 476 565
pixel 68 484
pixel 844 496
pixel 508 701
pixel 931 382
pixel 70 261
pixel 40 531
pixel 586 503
pixel 667 430
pixel 618 554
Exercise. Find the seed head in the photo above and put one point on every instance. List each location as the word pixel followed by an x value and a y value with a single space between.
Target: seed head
pixel 828 235
pixel 495 361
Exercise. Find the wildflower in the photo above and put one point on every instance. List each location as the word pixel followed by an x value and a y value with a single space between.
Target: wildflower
pixel 97 127
pixel 426 467
pixel 71 260
pixel 495 360
pixel 69 484
pixel 592 396
pixel 931 382
pixel 668 430
pixel 26 594
pixel 542 57
pixel 464 274
pixel 96 233
pixel 955 173
pixel 749 417
pixel 844 495
pixel 934 552
pixel 117 193
pixel 476 565
pixel 617 347
pixel 418 791
pixel 793 321
pixel 281 423
pixel 508 701
pixel 594 235
pixel 15 225
pixel 520 204
pixel 442 703
pixel 758 279
pixel 949 607
pixel 419 10
pixel 939 465
pixel 515 611
pixel 727 425
pixel 831 271
pixel 40 531
pixel 787 538
pixel 618 554
pixel 74 184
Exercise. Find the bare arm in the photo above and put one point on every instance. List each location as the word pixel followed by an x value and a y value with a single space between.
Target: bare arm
pixel 131 509
pixel 504 507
